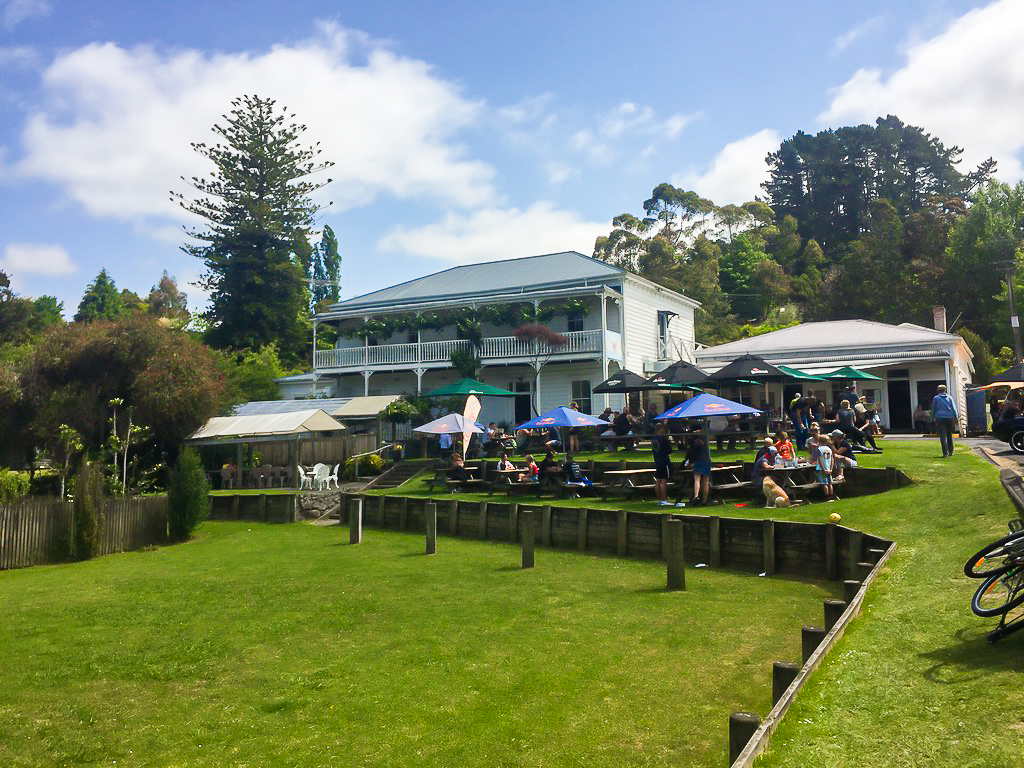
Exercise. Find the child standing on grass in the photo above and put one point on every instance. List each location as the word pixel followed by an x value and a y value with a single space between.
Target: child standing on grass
pixel 787 454
pixel 824 466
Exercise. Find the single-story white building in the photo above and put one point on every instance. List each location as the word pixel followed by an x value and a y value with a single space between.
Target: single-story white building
pixel 910 359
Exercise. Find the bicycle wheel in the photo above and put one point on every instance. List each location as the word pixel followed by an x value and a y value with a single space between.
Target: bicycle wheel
pixel 997 557
pixel 999 593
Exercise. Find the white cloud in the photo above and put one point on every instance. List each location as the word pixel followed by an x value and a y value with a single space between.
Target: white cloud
pixel 964 85
pixel 117 124
pixel 493 235
pixel 736 173
pixel 43 259
pixel 18 56
pixel 16 11
pixel 849 37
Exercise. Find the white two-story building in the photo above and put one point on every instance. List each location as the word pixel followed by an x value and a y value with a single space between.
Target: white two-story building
pixel 610 318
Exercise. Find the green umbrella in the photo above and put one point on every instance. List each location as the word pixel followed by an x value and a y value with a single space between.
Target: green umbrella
pixel 850 374
pixel 470 387
pixel 794 373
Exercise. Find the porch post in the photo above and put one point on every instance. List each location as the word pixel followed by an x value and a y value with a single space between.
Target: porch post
pixel 604 343
pixel 419 379
pixel 366 383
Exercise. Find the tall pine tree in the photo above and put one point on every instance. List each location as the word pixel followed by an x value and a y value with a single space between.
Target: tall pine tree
pixel 101 301
pixel 326 269
pixel 259 215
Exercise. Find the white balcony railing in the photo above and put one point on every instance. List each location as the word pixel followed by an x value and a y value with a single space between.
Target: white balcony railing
pixel 493 348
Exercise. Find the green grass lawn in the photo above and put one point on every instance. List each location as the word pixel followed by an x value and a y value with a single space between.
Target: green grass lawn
pixel 914 682
pixel 264 645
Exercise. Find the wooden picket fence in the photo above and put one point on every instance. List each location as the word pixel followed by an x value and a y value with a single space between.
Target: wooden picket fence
pixel 36 531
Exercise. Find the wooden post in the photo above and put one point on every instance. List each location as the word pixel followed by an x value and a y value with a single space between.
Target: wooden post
pixel 674 555
pixel 581 529
pixel 263 507
pixel 545 538
pixel 513 522
pixel 850 589
pixel 528 535
pixel 874 555
pixel 623 531
pixel 430 523
pixel 833 612
pixel 453 518
pixel 856 549
pixel 234 507
pixel 715 541
pixel 483 519
pixel 831 558
pixel 768 536
pixel 381 508
pixel 783 674
pixel 403 514
pixel 810 639
pixel 742 726
pixel 864 570
pixel 355 523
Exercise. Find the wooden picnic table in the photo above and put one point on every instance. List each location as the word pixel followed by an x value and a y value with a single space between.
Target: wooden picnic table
pixel 723 478
pixel 508 480
pixel 796 481
pixel 623 480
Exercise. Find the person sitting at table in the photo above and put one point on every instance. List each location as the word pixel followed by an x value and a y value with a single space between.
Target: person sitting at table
pixel 532 473
pixel 787 454
pixel 922 418
pixel 547 466
pixel 842 453
pixel 573 472
pixel 505 463
pixel 523 439
pixel 552 440
pixel 458 470
pixel 764 463
pixel 698 457
pixel 661 447
pixel 623 427
pixel 846 418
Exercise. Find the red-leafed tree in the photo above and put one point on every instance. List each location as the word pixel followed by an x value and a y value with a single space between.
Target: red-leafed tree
pixel 542 343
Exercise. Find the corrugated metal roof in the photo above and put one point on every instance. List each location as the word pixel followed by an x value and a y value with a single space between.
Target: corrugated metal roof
pixel 827 336
pixel 338 407
pixel 267 425
pixel 511 275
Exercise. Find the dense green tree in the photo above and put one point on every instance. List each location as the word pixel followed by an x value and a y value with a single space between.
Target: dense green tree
pixel 21 319
pixel 828 181
pixel 167 300
pixel 101 301
pixel 250 374
pixel 985 365
pixel 187 496
pixel 326 270
pixel 259 212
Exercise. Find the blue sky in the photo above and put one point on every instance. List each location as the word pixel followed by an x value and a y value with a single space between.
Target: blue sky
pixel 461 131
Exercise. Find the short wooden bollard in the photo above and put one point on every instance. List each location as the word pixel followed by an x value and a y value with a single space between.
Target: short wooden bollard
pixel 810 639
pixel 715 541
pixel 742 726
pixel 528 535
pixel 833 612
pixel 430 523
pixel 864 570
pixel 783 674
pixel 676 563
pixel 874 555
pixel 850 589
pixel 355 523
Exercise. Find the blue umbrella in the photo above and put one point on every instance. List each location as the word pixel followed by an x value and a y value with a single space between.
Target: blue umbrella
pixel 706 405
pixel 563 417
pixel 453 423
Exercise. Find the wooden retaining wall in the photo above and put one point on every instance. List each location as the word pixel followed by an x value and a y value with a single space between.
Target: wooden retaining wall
pixel 36 531
pixel 816 550
pixel 262 507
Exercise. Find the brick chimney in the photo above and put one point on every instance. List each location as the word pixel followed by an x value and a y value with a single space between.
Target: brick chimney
pixel 939 318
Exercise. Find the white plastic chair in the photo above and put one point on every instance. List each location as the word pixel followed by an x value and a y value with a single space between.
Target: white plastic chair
pixel 305 481
pixel 334 477
pixel 321 476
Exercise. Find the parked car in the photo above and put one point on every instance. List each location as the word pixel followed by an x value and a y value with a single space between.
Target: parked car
pixel 1011 430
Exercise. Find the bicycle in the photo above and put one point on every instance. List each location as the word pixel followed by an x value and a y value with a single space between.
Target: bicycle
pixel 1001 565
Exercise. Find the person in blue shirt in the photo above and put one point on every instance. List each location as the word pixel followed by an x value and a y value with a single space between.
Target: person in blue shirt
pixel 946 418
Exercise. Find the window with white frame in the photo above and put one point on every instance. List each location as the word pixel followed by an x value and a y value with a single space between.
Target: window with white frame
pixel 575 322
pixel 580 391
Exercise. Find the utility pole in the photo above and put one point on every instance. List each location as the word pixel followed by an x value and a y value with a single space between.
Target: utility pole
pixel 1007 249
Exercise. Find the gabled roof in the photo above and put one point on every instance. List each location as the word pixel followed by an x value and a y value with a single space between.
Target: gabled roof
pixel 338 407
pixel 550 271
pixel 267 425
pixel 830 335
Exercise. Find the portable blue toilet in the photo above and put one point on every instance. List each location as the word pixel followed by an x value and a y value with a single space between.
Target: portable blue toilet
pixel 977 412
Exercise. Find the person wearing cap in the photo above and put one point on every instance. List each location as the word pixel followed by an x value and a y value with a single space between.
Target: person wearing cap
pixel 764 463
pixel 946 418
pixel 842 454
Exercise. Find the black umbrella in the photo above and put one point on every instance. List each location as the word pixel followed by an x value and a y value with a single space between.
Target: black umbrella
pixel 681 375
pixel 750 368
pixel 1016 373
pixel 623 381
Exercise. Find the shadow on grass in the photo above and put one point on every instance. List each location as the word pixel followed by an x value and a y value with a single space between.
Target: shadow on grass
pixel 971 656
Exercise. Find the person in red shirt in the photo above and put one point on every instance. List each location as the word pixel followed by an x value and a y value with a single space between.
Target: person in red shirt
pixel 787 454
